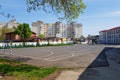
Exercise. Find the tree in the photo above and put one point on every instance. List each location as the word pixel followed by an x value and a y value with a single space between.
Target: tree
pixel 68 9
pixel 24 31
pixel 65 9
pixel 41 36
pixel 3 31
pixel 7 15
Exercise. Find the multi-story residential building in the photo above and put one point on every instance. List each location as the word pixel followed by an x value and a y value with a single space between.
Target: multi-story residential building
pixel 38 27
pixel 110 36
pixel 58 29
pixel 61 30
pixel 74 30
pixel 50 30
pixel 10 24
pixel 43 28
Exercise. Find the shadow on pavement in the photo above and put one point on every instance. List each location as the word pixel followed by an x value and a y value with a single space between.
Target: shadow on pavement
pixel 16 59
pixel 101 61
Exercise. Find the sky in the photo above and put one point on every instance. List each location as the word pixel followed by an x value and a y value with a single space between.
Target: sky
pixel 98 15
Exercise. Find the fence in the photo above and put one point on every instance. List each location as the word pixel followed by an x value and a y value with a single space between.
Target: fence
pixel 6 46
pixel 35 43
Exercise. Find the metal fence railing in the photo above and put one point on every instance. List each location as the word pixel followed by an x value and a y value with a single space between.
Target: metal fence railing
pixel 6 46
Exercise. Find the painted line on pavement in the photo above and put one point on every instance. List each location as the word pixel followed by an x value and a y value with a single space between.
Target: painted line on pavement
pixel 51 53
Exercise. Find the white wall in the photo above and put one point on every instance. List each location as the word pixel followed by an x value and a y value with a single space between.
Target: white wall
pixel 35 43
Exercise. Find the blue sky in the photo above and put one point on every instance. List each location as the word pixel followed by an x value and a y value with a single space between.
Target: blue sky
pixel 99 14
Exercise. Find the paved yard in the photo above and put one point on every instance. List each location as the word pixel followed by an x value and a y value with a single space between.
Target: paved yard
pixel 62 56
pixel 90 61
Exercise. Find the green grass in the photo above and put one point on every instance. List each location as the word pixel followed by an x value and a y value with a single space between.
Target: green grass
pixel 24 71
pixel 4 60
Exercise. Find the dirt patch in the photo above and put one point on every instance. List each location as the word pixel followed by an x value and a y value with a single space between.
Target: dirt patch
pixel 53 76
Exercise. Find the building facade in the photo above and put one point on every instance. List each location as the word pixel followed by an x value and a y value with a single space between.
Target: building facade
pixel 10 24
pixel 14 37
pixel 74 30
pixel 61 30
pixel 57 29
pixel 110 36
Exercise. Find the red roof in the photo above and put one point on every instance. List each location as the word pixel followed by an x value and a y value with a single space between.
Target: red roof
pixel 111 29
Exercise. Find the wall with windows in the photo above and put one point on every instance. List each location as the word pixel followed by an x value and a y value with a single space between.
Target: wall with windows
pixel 111 36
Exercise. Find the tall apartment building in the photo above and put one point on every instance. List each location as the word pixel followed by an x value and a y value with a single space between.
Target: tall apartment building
pixel 37 27
pixel 74 30
pixel 43 28
pixel 57 29
pixel 110 36
pixel 61 30
pixel 50 30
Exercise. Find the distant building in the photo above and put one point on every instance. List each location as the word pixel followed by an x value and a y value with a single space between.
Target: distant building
pixel 37 27
pixel 14 37
pixel 74 30
pixel 110 36
pixel 61 30
pixel 43 28
pixel 57 29
pixel 2 24
pixel 10 24
pixel 50 31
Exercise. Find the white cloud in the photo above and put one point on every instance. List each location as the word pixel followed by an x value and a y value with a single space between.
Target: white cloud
pixel 116 13
pixel 103 15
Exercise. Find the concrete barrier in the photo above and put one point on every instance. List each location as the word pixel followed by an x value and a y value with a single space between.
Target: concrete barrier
pixel 17 43
pixel 35 43
pixel 1 44
pixel 31 43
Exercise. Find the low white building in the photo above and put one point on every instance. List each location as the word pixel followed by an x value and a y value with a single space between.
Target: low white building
pixel 110 36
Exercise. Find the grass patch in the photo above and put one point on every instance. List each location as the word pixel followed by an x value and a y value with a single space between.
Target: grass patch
pixel 8 61
pixel 24 71
pixel 5 60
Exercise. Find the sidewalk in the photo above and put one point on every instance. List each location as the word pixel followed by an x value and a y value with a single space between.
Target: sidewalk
pixel 70 74
pixel 112 72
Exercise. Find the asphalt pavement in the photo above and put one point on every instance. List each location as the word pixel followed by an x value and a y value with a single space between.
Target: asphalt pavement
pixel 62 56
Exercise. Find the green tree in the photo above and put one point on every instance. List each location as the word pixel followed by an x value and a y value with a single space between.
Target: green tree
pixel 24 31
pixel 41 36
pixel 67 9
pixel 7 15
pixel 3 31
